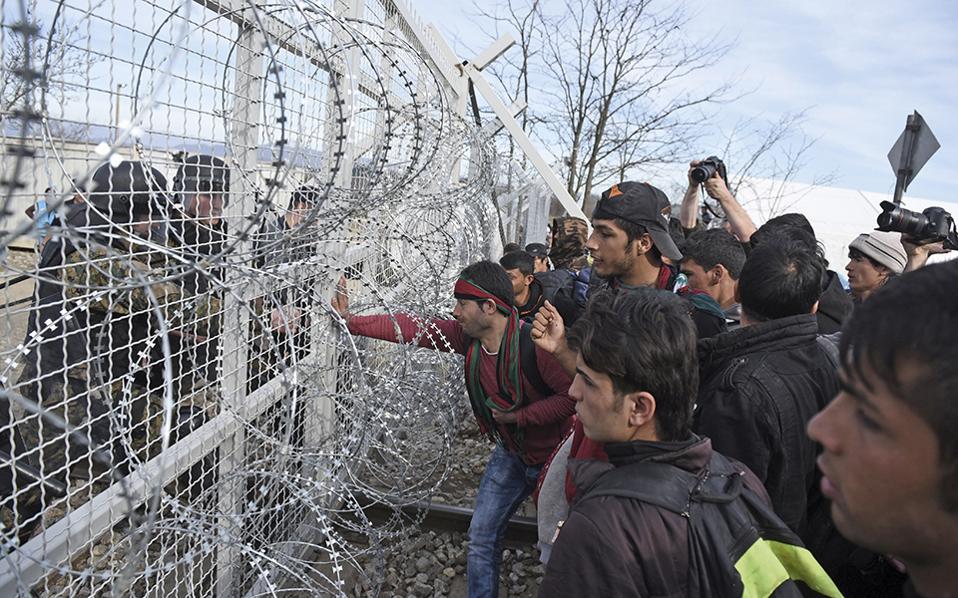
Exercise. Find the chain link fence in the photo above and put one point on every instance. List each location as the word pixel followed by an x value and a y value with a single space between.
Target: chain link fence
pixel 183 184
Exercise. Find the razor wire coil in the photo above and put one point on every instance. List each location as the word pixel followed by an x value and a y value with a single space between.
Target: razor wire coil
pixel 180 407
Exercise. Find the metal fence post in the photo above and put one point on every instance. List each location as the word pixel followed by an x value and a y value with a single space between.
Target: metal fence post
pixel 245 141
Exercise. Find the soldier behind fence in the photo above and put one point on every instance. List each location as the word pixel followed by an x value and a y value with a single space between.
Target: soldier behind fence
pixel 197 233
pixel 201 188
pixel 90 336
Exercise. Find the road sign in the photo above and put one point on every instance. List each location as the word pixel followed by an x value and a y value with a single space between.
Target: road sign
pixel 914 147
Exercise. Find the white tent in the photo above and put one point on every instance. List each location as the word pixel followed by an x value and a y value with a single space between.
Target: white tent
pixel 838 215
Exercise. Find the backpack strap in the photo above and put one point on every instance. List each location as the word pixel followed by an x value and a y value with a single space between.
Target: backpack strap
pixel 528 362
pixel 747 548
pixel 670 487
pixel 658 484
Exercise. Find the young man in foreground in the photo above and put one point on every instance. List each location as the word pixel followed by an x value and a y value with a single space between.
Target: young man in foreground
pixel 890 448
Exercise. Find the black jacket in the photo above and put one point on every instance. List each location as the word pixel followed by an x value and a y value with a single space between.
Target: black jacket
pixel 834 305
pixel 536 298
pixel 759 387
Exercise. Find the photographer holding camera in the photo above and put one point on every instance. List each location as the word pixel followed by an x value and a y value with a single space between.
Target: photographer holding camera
pixel 878 255
pixel 918 254
pixel 874 258
pixel 710 173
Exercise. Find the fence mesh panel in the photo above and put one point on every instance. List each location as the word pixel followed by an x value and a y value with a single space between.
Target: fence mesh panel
pixel 184 184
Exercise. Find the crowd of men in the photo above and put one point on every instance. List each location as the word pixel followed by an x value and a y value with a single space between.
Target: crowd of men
pixel 709 412
pixel 696 412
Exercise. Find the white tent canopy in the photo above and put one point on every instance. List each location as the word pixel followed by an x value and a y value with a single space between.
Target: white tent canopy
pixel 838 215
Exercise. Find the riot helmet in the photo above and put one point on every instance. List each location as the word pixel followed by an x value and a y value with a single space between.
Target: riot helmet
pixel 201 175
pixel 309 195
pixel 128 191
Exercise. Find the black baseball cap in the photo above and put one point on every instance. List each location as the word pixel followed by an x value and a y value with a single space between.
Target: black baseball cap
pixel 644 205
pixel 537 250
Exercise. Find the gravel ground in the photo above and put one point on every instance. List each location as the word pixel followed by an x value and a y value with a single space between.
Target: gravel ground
pixel 434 564
pixel 431 563
pixel 470 454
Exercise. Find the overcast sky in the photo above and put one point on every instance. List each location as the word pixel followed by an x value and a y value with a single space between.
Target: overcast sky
pixel 860 67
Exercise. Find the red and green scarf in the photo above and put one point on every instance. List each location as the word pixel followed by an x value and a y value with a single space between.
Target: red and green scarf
pixel 508 371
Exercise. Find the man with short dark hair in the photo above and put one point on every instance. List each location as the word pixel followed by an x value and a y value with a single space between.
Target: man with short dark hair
pixel 762 382
pixel 526 289
pixel 834 304
pixel 712 262
pixel 635 383
pixel 541 254
pixel 890 452
pixel 526 413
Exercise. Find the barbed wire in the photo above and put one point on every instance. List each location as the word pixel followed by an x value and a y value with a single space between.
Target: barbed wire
pixel 181 409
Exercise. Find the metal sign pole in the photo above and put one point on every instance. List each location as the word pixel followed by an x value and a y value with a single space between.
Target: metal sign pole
pixel 913 124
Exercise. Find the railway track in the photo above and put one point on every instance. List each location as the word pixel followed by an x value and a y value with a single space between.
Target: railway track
pixel 448 518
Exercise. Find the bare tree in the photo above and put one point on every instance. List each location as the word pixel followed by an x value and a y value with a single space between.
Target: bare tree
pixel 615 69
pixel 772 154
pixel 53 52
pixel 514 70
pixel 607 87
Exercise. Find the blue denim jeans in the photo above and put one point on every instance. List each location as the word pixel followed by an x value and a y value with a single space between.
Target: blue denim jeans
pixel 505 484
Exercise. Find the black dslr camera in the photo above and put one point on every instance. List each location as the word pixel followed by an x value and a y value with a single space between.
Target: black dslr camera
pixel 706 168
pixel 930 226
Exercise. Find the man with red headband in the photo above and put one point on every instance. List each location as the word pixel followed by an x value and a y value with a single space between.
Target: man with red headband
pixel 518 392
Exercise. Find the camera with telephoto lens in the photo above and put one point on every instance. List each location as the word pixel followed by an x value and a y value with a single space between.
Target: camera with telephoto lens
pixel 706 168
pixel 930 226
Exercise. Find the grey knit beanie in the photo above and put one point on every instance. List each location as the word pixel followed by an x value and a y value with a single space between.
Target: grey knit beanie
pixel 883 247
